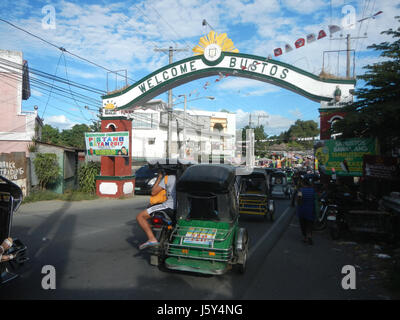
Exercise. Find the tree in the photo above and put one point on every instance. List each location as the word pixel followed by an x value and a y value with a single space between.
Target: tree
pixel 95 126
pixel 75 137
pixel 50 134
pixel 303 129
pixel 259 135
pixel 376 111
pixel 300 129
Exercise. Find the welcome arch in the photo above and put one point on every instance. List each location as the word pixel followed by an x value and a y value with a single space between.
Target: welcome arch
pixel 116 177
pixel 254 67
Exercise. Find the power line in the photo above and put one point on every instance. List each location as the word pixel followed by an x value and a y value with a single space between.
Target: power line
pixel 40 99
pixel 15 74
pixel 66 74
pixel 42 84
pixel 25 124
pixel 62 49
pixel 51 89
pixel 167 23
pixel 44 74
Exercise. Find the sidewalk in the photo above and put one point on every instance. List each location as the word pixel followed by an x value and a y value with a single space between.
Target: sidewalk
pixel 299 271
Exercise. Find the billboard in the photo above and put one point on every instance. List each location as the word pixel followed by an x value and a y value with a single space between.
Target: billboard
pixel 381 167
pixel 107 143
pixel 344 157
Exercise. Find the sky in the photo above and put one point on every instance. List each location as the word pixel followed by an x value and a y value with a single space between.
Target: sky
pixel 122 35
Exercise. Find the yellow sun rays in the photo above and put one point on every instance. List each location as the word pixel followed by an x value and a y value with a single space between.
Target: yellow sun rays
pixel 221 40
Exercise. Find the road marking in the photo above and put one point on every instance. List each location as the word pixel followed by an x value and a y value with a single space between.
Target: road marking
pixel 254 248
pixel 222 287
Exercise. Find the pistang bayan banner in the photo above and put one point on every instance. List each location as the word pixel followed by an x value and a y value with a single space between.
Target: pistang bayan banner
pixel 344 157
pixel 107 143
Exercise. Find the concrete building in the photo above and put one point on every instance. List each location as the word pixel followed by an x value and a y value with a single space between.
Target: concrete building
pixel 17 127
pixel 195 134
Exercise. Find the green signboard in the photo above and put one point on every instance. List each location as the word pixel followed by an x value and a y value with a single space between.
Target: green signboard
pixel 344 157
pixel 107 143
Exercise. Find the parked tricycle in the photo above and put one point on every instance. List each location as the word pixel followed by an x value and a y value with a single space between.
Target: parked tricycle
pixel 13 251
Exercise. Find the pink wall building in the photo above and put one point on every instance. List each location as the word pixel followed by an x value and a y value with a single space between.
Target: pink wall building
pixel 17 127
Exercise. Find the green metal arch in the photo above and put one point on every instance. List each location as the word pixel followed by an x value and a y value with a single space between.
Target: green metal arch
pixel 215 68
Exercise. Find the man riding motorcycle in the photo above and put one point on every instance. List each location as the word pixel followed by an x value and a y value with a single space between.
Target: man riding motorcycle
pixel 164 182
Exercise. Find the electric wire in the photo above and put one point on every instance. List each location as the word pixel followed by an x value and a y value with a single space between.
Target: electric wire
pixel 62 49
pixel 51 77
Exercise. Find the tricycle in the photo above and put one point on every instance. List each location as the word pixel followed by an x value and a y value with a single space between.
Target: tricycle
pixel 14 255
pixel 254 195
pixel 207 238
pixel 279 185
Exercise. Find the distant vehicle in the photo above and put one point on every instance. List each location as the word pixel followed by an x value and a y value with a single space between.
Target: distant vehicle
pixel 279 185
pixel 145 178
pixel 254 198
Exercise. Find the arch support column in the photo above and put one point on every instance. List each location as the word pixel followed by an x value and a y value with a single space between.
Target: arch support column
pixel 116 177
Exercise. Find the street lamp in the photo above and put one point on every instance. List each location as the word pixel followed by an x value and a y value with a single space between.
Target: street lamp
pixel 184 118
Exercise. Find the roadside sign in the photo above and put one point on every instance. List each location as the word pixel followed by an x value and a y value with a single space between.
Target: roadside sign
pixel 344 156
pixel 107 143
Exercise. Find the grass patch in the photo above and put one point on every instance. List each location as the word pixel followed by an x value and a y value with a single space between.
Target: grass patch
pixel 69 195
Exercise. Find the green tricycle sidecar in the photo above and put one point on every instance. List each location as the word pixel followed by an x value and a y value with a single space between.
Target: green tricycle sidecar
pixel 207 237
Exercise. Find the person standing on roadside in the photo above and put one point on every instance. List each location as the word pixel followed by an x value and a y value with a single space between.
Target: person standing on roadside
pixel 305 209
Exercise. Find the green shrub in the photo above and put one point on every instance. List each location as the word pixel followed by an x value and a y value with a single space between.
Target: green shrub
pixel 46 168
pixel 87 176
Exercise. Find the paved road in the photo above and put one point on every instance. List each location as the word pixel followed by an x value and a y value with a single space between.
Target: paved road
pixel 94 247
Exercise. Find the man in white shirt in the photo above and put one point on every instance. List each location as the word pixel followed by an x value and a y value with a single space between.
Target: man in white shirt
pixel 143 217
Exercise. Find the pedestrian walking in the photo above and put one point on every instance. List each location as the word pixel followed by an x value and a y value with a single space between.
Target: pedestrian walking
pixel 305 209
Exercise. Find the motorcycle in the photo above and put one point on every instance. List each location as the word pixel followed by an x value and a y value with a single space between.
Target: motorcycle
pixel 321 218
pixel 336 220
pixel 162 224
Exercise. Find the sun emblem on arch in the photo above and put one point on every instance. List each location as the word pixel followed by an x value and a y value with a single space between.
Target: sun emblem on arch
pixel 213 44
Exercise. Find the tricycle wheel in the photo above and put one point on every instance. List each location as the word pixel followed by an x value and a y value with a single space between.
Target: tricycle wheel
pixel 158 254
pixel 242 266
pixel 243 244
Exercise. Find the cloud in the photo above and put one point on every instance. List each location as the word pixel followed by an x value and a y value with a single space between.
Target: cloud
pixel 36 93
pixel 304 6
pixel 273 124
pixel 247 87
pixel 61 122
pixel 296 113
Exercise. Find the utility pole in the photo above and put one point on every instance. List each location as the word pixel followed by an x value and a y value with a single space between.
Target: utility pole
pixel 348 50
pixel 261 116
pixel 170 51
pixel 250 122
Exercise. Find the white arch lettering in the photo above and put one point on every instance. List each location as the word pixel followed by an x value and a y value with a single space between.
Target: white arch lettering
pixel 233 64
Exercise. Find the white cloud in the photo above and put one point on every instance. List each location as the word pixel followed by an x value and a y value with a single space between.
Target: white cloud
pixel 304 6
pixel 296 113
pixel 247 87
pixel 60 121
pixel 273 124
pixel 36 93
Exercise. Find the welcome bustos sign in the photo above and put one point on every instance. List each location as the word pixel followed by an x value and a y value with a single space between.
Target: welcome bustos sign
pixel 216 55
